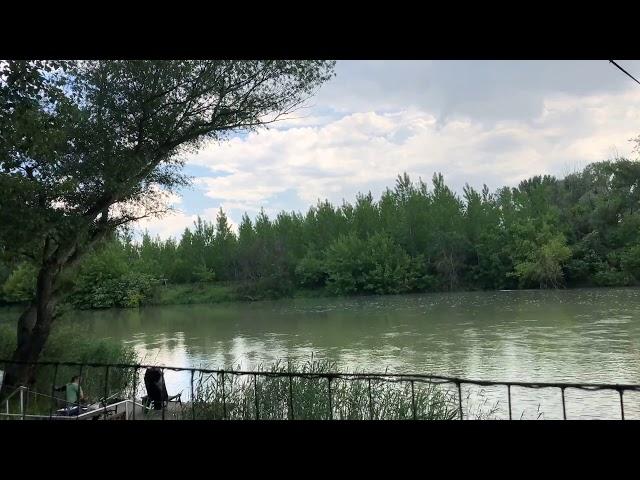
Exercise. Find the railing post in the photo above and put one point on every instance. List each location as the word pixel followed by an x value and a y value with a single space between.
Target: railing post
pixel 291 417
pixel 224 399
pixel 193 400
pixel 564 410
pixel 370 401
pixel 413 400
pixel 162 393
pixel 22 402
pixel 330 403
pixel 79 388
pixel 509 394
pixel 26 402
pixel 135 388
pixel 53 390
pixel 621 392
pixel 106 390
pixel 255 395
pixel 460 399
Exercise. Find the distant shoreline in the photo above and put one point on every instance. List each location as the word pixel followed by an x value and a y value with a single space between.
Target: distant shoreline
pixel 226 293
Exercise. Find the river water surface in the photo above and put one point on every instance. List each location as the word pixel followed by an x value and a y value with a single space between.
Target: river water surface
pixel 590 335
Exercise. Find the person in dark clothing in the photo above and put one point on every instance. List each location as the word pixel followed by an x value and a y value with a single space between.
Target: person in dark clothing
pixel 156 388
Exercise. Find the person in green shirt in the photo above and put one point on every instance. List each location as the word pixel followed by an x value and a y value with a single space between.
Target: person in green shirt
pixel 73 392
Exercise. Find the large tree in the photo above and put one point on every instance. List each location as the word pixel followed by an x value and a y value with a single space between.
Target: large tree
pixel 88 146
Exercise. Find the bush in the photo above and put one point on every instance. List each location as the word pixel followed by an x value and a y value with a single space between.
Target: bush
pixel 609 277
pixel 311 271
pixel 420 279
pixel 203 274
pixel 630 261
pixel 376 265
pixel 543 265
pixel 21 284
pixel 266 287
pixel 129 290
pixel 347 265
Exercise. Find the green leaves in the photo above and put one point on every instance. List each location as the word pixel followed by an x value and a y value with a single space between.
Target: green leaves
pixel 107 279
pixel 87 146
pixel 544 263
pixel 129 290
pixel 375 265
pixel 20 286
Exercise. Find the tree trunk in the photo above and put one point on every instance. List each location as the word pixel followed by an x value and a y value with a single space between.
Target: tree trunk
pixel 34 326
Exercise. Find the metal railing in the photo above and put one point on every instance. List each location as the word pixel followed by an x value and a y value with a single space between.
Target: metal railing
pixel 112 409
pixel 224 390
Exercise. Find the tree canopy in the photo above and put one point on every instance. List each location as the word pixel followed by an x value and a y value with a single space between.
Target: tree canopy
pixel 581 230
pixel 88 146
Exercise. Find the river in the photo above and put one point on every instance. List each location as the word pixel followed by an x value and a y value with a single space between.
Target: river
pixel 582 335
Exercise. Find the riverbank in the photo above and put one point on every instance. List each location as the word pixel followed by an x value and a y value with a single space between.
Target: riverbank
pixel 213 293
pixel 205 293
pixel 220 292
pixel 226 292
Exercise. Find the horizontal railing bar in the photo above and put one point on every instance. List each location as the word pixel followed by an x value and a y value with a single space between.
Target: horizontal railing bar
pixel 398 377
pixel 85 414
pixel 53 417
pixel 31 416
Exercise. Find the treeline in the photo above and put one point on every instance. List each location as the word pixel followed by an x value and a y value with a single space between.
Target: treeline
pixel 581 230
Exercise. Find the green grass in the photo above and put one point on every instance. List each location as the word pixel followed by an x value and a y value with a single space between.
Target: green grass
pixel 308 398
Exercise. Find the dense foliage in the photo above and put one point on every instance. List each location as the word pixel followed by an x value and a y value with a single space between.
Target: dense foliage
pixel 545 233
pixel 89 146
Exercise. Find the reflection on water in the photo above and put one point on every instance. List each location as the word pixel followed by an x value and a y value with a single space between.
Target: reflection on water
pixel 572 335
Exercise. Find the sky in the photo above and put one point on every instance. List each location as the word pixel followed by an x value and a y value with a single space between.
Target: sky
pixel 476 122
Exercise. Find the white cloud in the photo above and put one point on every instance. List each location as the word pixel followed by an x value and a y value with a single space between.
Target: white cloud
pixel 171 224
pixel 366 150
pixel 174 223
pixel 477 122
